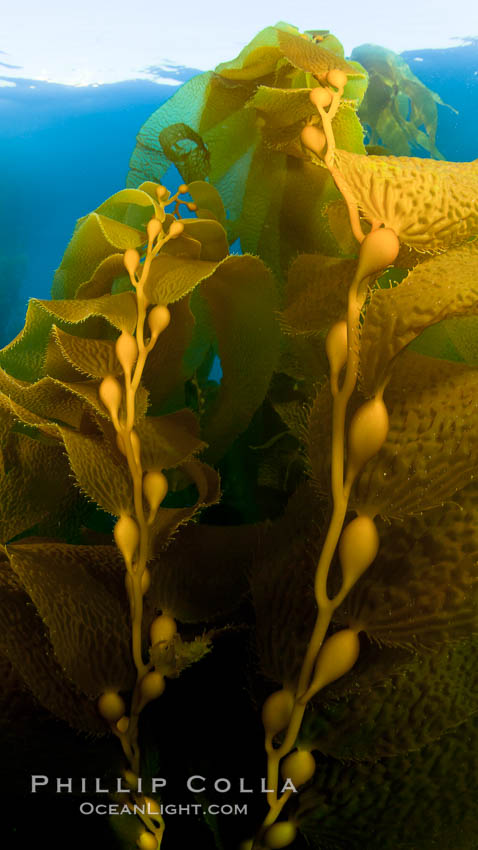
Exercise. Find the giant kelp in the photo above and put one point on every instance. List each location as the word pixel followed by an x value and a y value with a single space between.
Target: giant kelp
pixel 318 496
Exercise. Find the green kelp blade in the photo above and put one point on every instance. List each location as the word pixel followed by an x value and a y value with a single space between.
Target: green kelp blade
pixel 96 237
pixel 24 640
pixel 95 358
pixel 316 293
pixel 422 589
pixel 259 58
pixel 35 479
pixel 168 359
pixel 430 205
pixel 240 300
pixel 394 92
pixel 189 579
pixel 414 704
pixel 396 803
pixel 206 482
pixel 308 55
pixel 100 470
pixel 431 450
pixel 442 287
pixel 149 160
pixel 88 626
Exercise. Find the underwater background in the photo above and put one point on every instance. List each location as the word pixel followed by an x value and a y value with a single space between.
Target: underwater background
pixel 65 148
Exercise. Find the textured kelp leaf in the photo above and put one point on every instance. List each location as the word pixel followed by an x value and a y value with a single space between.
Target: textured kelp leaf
pixel 35 479
pixel 119 310
pixel 93 357
pixel 26 416
pixel 189 579
pixel 257 59
pixel 303 358
pixel 207 198
pixel 207 483
pixel 210 234
pixel 100 470
pixel 167 359
pixel 186 149
pixel 60 401
pixel 316 293
pixel 171 278
pixel 414 705
pixel 338 221
pixel 463 333
pixel 282 107
pixel 55 364
pixel 308 55
pixel 281 585
pixel 396 803
pixel 25 356
pixel 87 626
pixel 431 450
pixel 430 205
pixel 24 641
pixel 96 237
pixel 440 288
pixel 133 207
pixel 318 441
pixel 101 280
pixel 397 104
pixel 241 300
pixel 47 398
pixel 422 589
pixel 149 161
pixel 168 440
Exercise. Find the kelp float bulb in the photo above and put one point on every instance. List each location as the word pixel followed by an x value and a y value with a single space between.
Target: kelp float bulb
pixel 161 192
pixel 175 230
pixel 126 534
pixel 336 348
pixel 122 725
pixel 314 139
pixel 337 78
pixel 183 189
pixel 111 706
pixel 153 229
pixel 131 260
pixel 280 834
pixel 126 349
pixel 163 628
pixel 151 687
pixel 147 841
pixel 337 656
pixel 358 547
pixel 367 433
pixel 320 97
pixel 378 250
pixel 155 487
pixel 277 711
pixel 110 394
pixel 299 767
pixel 158 320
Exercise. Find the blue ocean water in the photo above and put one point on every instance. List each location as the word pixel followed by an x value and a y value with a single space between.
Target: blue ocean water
pixel 64 150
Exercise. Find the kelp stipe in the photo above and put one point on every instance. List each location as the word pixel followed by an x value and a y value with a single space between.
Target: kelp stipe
pixel 333 441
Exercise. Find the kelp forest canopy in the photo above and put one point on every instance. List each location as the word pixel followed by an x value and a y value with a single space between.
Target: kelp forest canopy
pixel 172 406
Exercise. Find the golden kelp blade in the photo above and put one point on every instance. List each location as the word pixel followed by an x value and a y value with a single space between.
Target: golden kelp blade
pixel 431 205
